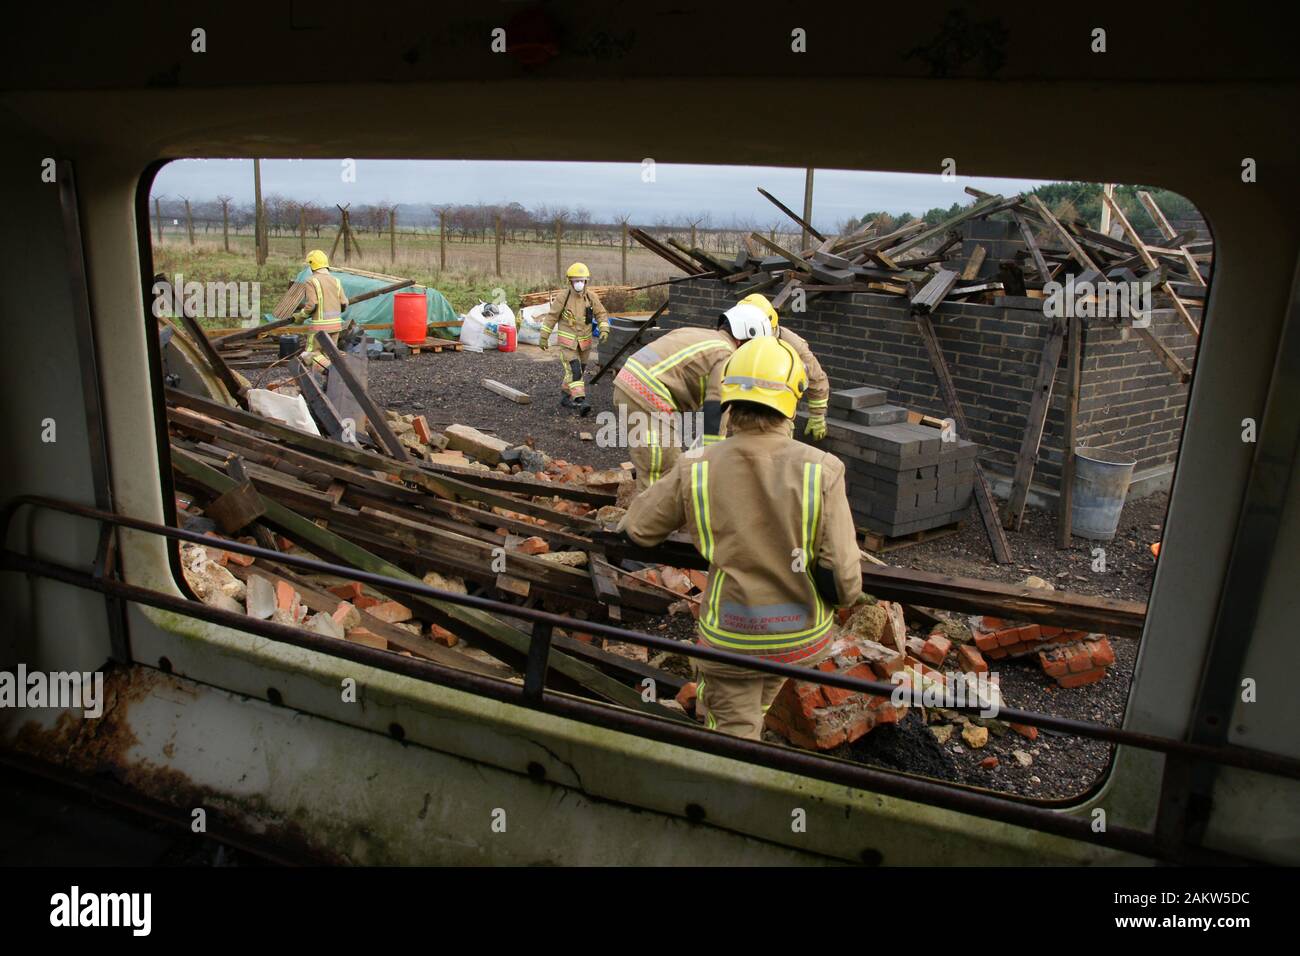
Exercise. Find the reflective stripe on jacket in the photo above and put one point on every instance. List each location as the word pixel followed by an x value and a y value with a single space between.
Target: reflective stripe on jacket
pixel 326 301
pixel 681 369
pixel 765 511
pixel 569 313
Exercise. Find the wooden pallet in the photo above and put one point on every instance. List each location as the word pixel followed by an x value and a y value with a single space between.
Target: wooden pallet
pixel 435 345
pixel 875 541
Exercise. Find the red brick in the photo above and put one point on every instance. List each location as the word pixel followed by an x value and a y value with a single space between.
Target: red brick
pixel 1048 631
pixel 422 429
pixel 1080 660
pixel 582 636
pixel 986 641
pixel 348 592
pixel 443 636
pixel 1054 663
pixel 885 714
pixel 365 602
pixel 886 669
pixel 1085 677
pixel 1102 653
pixel 988 623
pixel 1025 730
pixel 971 660
pixel 698 579
pixel 936 649
pixel 827 665
pixel 1008 637
pixel 830 739
pixel 1031 633
pixel 988 763
pixel 996 653
pixel 534 545
pixel 858 726
pixel 286 598
pixel 392 612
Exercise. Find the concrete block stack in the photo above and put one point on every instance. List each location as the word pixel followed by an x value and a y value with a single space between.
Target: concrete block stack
pixel 900 477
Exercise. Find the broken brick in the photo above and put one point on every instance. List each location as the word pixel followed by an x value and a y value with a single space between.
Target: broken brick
pixel 286 598
pixel 361 635
pixel 1083 677
pixel 443 636
pixel 971 660
pixel 391 611
pixel 935 649
pixel 348 592
pixel 534 545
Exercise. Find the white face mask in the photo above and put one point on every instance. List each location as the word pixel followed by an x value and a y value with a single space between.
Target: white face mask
pixel 579 284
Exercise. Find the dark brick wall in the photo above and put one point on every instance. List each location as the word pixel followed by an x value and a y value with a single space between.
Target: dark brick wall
pixel 1128 401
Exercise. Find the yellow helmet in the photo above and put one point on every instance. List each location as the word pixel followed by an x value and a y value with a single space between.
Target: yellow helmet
pixel 766 371
pixel 317 260
pixel 578 270
pixel 760 301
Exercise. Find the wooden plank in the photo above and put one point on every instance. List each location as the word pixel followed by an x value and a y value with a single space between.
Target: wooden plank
pixel 345 403
pixel 377 420
pixel 1074 370
pixel 933 293
pixel 975 261
pixel 983 494
pixel 928 589
pixel 236 509
pixel 646 326
pixel 214 359
pixel 605 584
pixel 1035 422
pixel 1150 261
pixel 979 207
pixel 256 332
pixel 1044 270
pixel 505 391
pixel 322 409
pixel 503 641
pixel 793 257
pixel 426 476
pixel 291 301
pixel 792 214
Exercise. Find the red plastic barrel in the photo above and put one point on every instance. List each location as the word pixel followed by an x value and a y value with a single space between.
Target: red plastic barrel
pixel 506 338
pixel 410 311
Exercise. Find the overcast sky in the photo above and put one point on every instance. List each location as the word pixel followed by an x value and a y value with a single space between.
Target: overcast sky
pixel 607 189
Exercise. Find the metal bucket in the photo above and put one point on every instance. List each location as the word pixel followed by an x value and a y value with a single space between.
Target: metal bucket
pixel 1101 480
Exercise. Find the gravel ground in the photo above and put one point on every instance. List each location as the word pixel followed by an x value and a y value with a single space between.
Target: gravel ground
pixel 446 388
pixel 1128 569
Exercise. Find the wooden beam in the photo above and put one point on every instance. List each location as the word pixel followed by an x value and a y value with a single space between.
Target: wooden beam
pixel 970 212
pixel 505 391
pixel 322 409
pixel 975 261
pixel 1074 369
pixel 378 421
pixel 1036 420
pixel 1164 286
pixel 502 640
pixel 214 359
pixel 792 214
pixel 983 494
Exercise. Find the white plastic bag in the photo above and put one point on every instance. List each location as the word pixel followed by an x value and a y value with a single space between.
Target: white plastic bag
pixel 530 332
pixel 478 329
pixel 283 408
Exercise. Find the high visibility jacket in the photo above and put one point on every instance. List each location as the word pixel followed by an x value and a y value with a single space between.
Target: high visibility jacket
pixel 679 371
pixel 569 313
pixel 325 301
pixel 819 386
pixel 771 517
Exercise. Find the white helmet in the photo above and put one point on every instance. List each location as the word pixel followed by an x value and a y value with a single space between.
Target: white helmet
pixel 747 321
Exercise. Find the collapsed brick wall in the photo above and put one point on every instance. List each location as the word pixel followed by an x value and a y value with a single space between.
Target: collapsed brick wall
pixel 1128 401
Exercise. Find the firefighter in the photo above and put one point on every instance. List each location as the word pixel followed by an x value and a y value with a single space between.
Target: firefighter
pixel 771 517
pixel 323 307
pixel 819 386
pixel 678 374
pixel 576 312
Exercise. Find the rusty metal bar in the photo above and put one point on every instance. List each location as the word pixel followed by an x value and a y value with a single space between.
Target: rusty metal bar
pixel 1241 757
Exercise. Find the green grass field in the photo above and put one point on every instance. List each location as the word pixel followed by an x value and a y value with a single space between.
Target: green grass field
pixel 468 279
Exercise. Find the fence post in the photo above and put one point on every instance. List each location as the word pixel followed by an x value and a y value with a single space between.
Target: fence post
pixel 498 246
pixel 189 222
pixel 392 234
pixel 624 279
pixel 225 225
pixel 559 228
pixel 157 215
pixel 442 242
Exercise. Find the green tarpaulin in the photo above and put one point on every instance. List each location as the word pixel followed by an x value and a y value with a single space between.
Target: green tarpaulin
pixel 379 310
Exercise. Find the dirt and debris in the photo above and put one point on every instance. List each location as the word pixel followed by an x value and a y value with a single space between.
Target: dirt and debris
pixel 446 389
